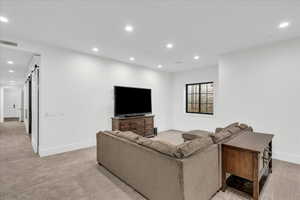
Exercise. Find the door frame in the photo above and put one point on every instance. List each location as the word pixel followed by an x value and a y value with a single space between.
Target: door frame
pixel 30 105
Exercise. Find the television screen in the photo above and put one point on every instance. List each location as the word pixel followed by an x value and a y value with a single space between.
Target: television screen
pixel 132 101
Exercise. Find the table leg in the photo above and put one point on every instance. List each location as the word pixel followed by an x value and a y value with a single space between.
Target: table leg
pixel 270 154
pixel 223 171
pixel 255 177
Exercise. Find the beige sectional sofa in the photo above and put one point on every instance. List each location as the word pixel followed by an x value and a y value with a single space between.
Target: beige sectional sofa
pixel 162 171
pixel 155 173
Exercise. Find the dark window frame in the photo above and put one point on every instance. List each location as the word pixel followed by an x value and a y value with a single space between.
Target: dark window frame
pixel 199 100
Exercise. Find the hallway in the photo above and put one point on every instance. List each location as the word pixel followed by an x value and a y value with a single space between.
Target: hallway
pixel 76 175
pixel 72 175
pixel 14 143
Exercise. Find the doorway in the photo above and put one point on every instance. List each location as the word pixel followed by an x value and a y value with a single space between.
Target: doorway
pixel 30 105
pixel 12 103
pixel 31 97
pixel 20 71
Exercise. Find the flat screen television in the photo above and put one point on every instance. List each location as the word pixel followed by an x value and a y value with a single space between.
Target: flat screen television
pixel 132 101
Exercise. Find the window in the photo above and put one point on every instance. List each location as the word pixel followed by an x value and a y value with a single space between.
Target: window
pixel 200 98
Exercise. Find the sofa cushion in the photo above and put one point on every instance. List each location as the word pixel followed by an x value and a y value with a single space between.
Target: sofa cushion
pixel 160 146
pixel 218 129
pixel 243 126
pixel 190 135
pixel 142 140
pixel 234 129
pixel 113 132
pixel 231 125
pixel 129 135
pixel 218 137
pixel 190 147
pixel 249 129
pixel 125 134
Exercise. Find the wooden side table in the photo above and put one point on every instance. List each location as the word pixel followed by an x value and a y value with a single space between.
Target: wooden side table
pixel 241 159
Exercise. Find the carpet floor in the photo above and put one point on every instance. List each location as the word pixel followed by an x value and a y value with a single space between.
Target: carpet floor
pixel 76 175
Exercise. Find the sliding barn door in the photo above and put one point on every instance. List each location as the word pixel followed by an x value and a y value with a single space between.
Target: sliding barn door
pixel 35 109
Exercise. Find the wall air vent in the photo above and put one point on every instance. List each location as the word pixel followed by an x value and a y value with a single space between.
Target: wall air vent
pixel 8 43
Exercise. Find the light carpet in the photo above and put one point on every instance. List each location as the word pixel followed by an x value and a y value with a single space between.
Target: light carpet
pixel 76 175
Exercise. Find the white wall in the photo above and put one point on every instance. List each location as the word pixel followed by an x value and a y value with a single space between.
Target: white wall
pixel 261 86
pixel 257 86
pixel 188 121
pixel 76 97
pixel 25 107
pixel 1 104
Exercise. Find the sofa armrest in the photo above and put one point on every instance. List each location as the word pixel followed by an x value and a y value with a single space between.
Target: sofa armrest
pixel 201 174
pixel 99 146
pixel 218 130
pixel 188 136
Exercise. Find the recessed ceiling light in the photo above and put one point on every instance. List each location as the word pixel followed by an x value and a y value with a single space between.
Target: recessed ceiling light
pixel 12 81
pixel 128 28
pixel 95 49
pixel 169 46
pixel 284 25
pixel 10 62
pixel 159 66
pixel 131 58
pixel 196 57
pixel 3 19
pixel 11 71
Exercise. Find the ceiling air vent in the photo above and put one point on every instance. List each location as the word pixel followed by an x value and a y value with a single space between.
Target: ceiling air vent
pixel 8 43
pixel 179 62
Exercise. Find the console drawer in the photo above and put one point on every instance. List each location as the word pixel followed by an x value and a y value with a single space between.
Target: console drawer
pixel 142 125
pixel 148 126
pixel 149 121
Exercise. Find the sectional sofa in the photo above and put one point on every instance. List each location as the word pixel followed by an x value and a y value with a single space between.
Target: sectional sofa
pixel 162 171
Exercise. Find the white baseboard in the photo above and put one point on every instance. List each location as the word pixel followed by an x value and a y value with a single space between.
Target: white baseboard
pixel 293 158
pixel 33 144
pixel 66 148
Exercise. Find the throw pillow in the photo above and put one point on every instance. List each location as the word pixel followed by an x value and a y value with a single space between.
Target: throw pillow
pixel 218 137
pixel 190 147
pixel 218 129
pixel 160 146
pixel 234 129
pixel 243 126
pixel 231 125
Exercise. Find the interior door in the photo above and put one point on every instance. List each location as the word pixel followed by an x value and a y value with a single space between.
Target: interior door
pixel 12 100
pixel 30 105
pixel 34 109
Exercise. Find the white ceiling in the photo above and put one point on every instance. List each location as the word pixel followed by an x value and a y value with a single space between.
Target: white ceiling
pixel 207 28
pixel 21 60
